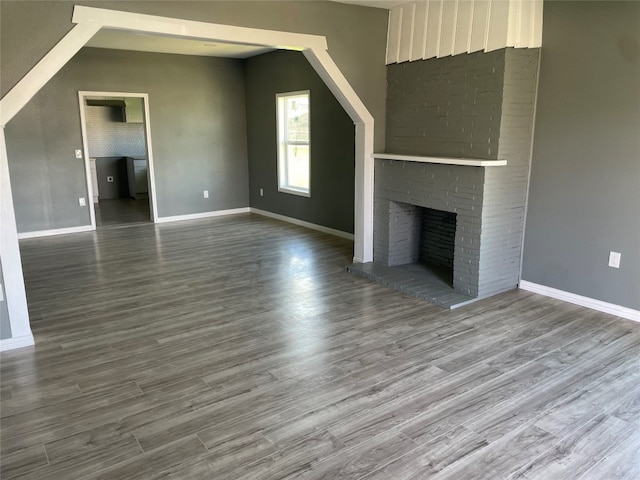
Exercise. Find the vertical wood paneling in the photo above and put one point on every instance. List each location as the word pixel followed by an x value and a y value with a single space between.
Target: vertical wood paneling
pixel 419 30
pixel 438 28
pixel 536 24
pixel 463 27
pixel 523 32
pixel 393 35
pixel 513 26
pixel 479 23
pixel 406 32
pixel 447 28
pixel 433 28
pixel 498 25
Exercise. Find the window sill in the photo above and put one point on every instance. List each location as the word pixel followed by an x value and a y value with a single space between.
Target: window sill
pixel 294 191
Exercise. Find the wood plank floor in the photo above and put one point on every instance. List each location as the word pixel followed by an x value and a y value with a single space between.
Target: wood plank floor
pixel 121 211
pixel 238 348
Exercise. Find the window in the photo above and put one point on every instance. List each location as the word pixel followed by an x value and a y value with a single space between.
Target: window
pixel 293 143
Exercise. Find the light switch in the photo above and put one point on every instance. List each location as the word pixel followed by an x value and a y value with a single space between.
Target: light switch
pixel 614 259
pixel 205 194
pixel 78 153
pixel 82 201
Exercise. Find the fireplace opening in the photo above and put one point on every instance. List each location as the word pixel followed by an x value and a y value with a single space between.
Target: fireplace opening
pixel 424 236
pixel 437 242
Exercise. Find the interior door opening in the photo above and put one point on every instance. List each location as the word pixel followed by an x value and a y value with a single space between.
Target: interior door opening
pixel 118 158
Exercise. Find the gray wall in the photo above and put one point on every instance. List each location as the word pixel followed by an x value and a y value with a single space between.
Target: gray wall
pixel 5 326
pixel 356 36
pixel 447 106
pixel 332 142
pixel 198 129
pixel 46 178
pixel 584 195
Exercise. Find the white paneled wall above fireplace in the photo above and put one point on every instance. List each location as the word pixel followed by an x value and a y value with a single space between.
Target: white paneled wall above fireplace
pixel 438 28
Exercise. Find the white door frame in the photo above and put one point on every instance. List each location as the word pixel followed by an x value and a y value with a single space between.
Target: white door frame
pixel 88 22
pixel 85 147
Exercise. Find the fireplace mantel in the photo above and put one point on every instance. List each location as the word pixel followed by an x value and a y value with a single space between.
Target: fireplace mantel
pixel 469 162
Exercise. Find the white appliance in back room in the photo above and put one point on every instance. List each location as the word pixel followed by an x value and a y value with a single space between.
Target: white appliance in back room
pixel 137 175
pixel 94 179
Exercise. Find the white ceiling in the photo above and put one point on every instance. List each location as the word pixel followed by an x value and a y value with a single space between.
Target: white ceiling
pixel 143 42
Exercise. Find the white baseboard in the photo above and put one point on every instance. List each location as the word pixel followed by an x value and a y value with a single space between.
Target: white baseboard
pixel 302 223
pixel 57 231
pixel 196 216
pixel 16 342
pixel 613 309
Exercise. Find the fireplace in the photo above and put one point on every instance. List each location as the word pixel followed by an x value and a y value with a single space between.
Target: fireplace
pixel 458 146
pixel 403 189
pixel 427 230
pixel 422 235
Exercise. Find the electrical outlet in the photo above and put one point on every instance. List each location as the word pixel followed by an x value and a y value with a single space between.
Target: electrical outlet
pixel 614 259
pixel 206 194
pixel 78 153
pixel 82 201
pixel 109 179
pixel 261 192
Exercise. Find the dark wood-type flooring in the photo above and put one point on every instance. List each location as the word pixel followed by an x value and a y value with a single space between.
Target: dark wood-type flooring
pixel 239 348
pixel 122 211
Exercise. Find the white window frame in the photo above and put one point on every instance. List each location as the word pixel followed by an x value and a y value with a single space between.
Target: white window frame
pixel 283 143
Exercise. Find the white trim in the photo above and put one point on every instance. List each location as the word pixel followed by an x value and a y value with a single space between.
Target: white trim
pixel 196 216
pixel 57 231
pixel 332 76
pixel 302 223
pixel 15 294
pixel 294 191
pixel 44 70
pixel 471 162
pixel 613 309
pixel 151 179
pixel 178 27
pixel 87 162
pixel 364 179
pixel 12 343
pixel 324 65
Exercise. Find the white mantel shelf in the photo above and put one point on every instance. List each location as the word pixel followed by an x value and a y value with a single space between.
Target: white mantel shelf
pixel 469 162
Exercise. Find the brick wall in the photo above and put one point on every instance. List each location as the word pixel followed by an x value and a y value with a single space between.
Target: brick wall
pixel 447 106
pixel 474 106
pixel 450 188
pixel 505 187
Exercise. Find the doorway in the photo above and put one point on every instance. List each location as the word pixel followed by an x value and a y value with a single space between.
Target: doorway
pixel 118 158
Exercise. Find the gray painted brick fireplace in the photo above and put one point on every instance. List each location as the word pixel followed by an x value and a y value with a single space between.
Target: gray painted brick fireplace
pixel 450 188
pixel 478 106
